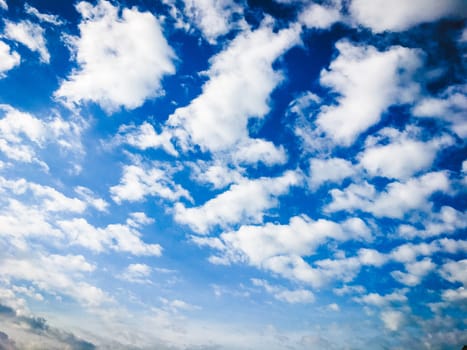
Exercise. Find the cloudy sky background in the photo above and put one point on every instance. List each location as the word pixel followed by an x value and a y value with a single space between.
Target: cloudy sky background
pixel 199 174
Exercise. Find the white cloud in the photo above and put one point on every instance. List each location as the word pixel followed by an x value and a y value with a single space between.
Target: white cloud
pixel 399 198
pixel 3 5
pixel 214 17
pixel 137 273
pixel 450 106
pixel 216 173
pixel 454 271
pixel 88 196
pixel 415 272
pixel 139 181
pixel 138 219
pixel 375 299
pixel 297 296
pixel 408 253
pixel 121 59
pixel 300 237
pixel 144 137
pixel 400 15
pixel 43 17
pixel 318 16
pixel 241 79
pixel 8 59
pixel 236 205
pixel 393 319
pixel 332 170
pixel 399 155
pixel 22 134
pixel 455 295
pixel 252 151
pixel 368 81
pixel 30 35
pixel 446 221
pixel 118 237
pixel 56 274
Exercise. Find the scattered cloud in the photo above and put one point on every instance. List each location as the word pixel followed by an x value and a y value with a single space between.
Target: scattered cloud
pixel 297 296
pixel 30 35
pixel 122 59
pixel 43 17
pixel 9 59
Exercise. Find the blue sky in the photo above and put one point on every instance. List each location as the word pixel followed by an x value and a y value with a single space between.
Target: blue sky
pixel 200 174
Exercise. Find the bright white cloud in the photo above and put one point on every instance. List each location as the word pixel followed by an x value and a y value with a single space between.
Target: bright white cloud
pixel 236 205
pixel 3 5
pixel 217 174
pixel 415 272
pixel 450 106
pixel 214 17
pixel 139 181
pixel 399 198
pixel 368 81
pixel 121 59
pixel 241 79
pixel 318 16
pixel 297 296
pixel 399 155
pixel 332 170
pixel 137 273
pixel 56 274
pixel 454 271
pixel 117 237
pixel 43 17
pixel 455 295
pixel 375 299
pixel 22 134
pixel 30 35
pixel 8 59
pixel 400 15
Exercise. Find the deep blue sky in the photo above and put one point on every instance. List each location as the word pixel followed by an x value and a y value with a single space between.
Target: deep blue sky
pixel 187 174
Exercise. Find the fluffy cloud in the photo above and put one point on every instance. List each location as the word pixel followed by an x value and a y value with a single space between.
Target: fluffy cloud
pixel 393 319
pixel 22 134
pixel 450 106
pixel 318 16
pixel 235 205
pixel 136 273
pixel 415 272
pixel 214 17
pixel 375 299
pixel 43 17
pixel 296 296
pixel 32 211
pixel 139 181
pixel 8 59
pixel 454 271
pixel 3 5
pixel 399 198
pixel 60 274
pixel 368 81
pixel 121 59
pixel 30 35
pixel 332 170
pixel 399 15
pixel 241 79
pixel 399 155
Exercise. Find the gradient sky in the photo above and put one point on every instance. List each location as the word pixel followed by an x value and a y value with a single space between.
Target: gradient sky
pixel 220 174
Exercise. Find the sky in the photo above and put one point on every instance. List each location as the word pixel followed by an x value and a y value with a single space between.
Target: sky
pixel 232 175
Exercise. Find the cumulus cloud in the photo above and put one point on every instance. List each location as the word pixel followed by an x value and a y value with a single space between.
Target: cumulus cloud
pixel 393 319
pixel 23 134
pixel 30 35
pixel 122 59
pixel 139 181
pixel 332 170
pixel 319 16
pixel 400 15
pixel 241 79
pixel 235 205
pixel 9 59
pixel 399 155
pixel 297 296
pixel 137 273
pixel 398 199
pixel 454 271
pixel 214 18
pixel 450 106
pixel 367 82
pixel 415 272
pixel 43 17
